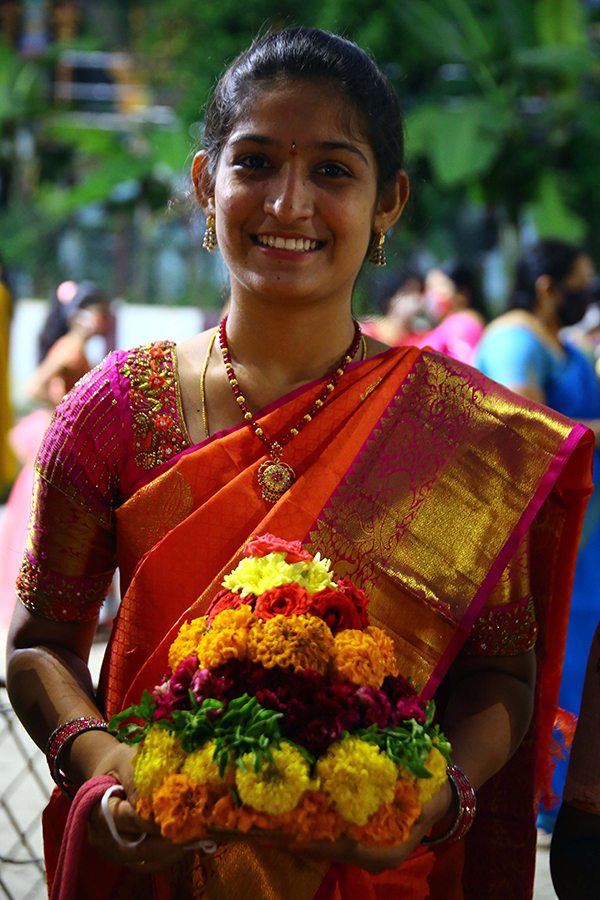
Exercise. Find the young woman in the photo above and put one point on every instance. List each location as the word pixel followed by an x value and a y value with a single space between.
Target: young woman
pixel 435 490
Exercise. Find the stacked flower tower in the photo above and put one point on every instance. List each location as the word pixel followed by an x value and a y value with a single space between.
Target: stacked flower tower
pixel 283 711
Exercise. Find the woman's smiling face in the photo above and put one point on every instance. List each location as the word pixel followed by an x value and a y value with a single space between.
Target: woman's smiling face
pixel 295 195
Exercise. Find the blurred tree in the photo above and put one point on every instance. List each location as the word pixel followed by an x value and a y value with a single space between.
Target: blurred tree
pixel 502 100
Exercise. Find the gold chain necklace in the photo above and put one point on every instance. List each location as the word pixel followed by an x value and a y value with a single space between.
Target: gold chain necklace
pixel 275 476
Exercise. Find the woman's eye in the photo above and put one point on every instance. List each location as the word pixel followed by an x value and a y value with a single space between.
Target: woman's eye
pixel 333 170
pixel 252 161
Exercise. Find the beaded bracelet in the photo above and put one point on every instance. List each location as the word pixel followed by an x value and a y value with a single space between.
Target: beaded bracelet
pixel 58 742
pixel 463 800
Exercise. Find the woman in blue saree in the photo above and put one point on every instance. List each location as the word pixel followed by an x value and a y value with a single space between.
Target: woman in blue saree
pixel 525 350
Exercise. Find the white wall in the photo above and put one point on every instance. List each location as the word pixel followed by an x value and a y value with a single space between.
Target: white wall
pixel 136 324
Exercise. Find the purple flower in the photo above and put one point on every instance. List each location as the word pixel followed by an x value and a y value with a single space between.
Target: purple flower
pixel 174 693
pixel 375 707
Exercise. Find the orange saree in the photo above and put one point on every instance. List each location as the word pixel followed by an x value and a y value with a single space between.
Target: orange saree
pixel 419 479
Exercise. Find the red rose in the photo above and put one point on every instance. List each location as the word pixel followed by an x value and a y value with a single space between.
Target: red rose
pixel 358 598
pixel 336 609
pixel 227 600
pixel 268 543
pixel 283 600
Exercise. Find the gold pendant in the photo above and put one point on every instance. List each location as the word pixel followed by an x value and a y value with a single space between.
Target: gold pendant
pixel 275 478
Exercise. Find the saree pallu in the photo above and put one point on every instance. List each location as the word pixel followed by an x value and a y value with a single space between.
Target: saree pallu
pixel 419 479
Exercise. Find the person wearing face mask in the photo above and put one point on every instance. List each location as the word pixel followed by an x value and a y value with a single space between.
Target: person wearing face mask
pixel 526 350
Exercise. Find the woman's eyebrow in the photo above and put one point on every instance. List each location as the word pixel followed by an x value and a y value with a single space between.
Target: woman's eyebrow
pixel 322 145
pixel 343 145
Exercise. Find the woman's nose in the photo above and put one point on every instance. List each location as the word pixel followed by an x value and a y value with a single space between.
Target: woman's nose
pixel 289 196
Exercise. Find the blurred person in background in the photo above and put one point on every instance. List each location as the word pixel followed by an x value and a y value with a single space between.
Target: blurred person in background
pixel 453 302
pixel 403 304
pixel 7 461
pixel 575 852
pixel 77 313
pixel 526 350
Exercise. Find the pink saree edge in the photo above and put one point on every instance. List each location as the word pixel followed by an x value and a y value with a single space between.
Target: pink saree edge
pixel 375 427
pixel 546 484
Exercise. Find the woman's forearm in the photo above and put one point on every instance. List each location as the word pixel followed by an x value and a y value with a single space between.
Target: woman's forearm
pixel 48 684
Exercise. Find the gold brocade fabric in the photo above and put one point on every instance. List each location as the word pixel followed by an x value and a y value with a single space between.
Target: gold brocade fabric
pixel 448 453
pixel 241 869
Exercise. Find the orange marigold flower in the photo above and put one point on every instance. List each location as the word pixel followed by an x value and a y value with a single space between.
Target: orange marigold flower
pixel 357 659
pixel 228 637
pixel 314 819
pixel 386 648
pixel 391 824
pixel 144 809
pixel 225 814
pixel 187 642
pixel 304 642
pixel 180 808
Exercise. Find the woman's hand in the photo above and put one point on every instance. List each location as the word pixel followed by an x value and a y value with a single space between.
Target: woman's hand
pixel 374 860
pixel 154 853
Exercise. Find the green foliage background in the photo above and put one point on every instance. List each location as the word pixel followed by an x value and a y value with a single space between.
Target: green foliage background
pixel 502 105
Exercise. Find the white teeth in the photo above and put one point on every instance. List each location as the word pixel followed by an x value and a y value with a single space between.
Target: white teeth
pixel 299 244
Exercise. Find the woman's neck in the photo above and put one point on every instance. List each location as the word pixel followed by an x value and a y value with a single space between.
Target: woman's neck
pixel 288 344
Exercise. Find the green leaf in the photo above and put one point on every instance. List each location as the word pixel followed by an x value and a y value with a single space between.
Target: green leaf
pixel 461 142
pixel 551 215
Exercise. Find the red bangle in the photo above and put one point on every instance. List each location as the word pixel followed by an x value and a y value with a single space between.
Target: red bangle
pixel 465 805
pixel 58 742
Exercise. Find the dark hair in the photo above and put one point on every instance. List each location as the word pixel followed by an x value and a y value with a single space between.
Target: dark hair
pixel 550 257
pixel 311 53
pixel 467 277
pixel 58 320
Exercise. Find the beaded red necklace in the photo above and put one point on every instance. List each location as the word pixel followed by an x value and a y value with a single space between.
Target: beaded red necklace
pixel 274 476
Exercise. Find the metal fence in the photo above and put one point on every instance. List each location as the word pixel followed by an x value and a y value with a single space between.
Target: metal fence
pixel 25 786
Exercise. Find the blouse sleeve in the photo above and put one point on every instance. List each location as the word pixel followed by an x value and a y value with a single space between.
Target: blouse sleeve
pixel 507 625
pixel 70 557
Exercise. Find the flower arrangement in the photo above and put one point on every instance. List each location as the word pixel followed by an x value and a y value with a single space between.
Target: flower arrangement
pixel 283 710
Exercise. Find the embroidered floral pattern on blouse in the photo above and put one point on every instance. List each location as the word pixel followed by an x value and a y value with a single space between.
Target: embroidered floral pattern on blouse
pixel 155 404
pixel 60 597
pixel 504 630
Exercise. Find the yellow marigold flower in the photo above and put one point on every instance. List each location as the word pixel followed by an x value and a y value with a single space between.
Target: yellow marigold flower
pixel 200 768
pixel 386 648
pixel 243 617
pixel 304 642
pixel 358 778
pixel 278 786
pixel 427 787
pixel 187 641
pixel 159 756
pixel 255 575
pixel 357 658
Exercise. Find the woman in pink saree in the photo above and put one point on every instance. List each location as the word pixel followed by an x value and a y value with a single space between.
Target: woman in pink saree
pixel 453 504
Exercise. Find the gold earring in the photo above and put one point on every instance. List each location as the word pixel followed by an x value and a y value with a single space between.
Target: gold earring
pixel 210 235
pixel 378 253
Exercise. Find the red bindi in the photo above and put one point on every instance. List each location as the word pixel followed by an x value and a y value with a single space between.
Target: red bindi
pixel 293 151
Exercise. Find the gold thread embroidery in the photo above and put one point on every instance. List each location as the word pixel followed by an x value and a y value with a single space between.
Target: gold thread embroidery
pixel 369 390
pixel 157 425
pixel 504 630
